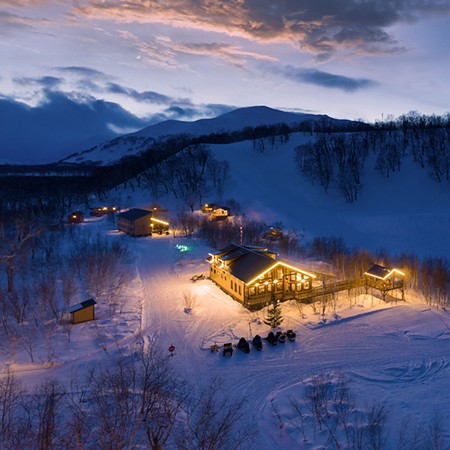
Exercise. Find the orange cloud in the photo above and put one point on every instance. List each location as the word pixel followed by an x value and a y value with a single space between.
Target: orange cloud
pixel 318 27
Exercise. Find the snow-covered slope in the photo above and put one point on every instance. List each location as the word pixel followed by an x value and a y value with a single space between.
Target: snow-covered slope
pixel 134 143
pixel 405 213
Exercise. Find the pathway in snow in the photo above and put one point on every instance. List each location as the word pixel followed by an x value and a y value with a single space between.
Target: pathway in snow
pixel 393 354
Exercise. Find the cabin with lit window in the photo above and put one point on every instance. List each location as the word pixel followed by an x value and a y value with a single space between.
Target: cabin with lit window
pixel 208 208
pixel 255 277
pixel 220 213
pixel 141 222
pixel 75 217
pixel 100 211
pixel 384 279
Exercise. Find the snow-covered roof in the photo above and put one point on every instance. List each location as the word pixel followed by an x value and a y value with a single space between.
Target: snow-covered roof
pixel 82 305
pixel 134 214
pixel 382 272
pixel 249 263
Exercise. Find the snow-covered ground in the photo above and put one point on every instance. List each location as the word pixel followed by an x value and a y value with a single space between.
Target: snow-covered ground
pixel 394 353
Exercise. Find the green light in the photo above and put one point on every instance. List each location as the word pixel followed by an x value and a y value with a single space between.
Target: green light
pixel 182 248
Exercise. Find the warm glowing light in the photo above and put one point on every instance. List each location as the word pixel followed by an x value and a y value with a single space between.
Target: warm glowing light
pixel 280 263
pixel 159 221
pixel 386 276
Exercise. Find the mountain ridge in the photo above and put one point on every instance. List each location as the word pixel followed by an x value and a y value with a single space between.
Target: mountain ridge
pixel 132 144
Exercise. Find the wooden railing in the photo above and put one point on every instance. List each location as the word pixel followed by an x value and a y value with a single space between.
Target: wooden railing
pixel 330 288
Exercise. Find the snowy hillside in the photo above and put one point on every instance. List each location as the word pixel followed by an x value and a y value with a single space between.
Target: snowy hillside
pixel 361 374
pixel 134 143
pixel 405 213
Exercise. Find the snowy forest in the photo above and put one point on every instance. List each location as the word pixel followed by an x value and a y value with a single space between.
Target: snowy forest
pixel 138 400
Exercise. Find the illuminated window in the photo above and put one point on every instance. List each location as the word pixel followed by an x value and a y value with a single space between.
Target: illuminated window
pixel 293 276
pixel 299 286
pixel 280 273
pixel 252 290
pixel 261 289
pixel 306 285
pixel 269 287
pixel 292 286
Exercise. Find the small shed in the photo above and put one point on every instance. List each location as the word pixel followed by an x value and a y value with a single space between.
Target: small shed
pixel 82 312
pixel 75 217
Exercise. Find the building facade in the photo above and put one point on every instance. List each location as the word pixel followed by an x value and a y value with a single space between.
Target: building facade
pixel 140 222
pixel 255 277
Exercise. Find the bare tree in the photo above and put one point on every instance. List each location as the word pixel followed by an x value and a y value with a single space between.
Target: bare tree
pixel 213 422
pixel 47 405
pixel 375 436
pixel 436 436
pixel 11 397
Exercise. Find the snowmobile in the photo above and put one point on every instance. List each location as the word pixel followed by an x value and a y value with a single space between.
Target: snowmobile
pixel 281 337
pixel 243 345
pixel 257 342
pixel 290 335
pixel 271 339
pixel 227 349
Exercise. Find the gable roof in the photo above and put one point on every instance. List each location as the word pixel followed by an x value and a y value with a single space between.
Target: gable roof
pixel 82 305
pixel 382 272
pixel 134 214
pixel 249 263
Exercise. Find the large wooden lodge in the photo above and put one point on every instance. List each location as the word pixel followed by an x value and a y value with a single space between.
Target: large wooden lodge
pixel 255 277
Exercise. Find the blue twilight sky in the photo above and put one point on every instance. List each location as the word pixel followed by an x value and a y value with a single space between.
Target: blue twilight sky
pixel 112 66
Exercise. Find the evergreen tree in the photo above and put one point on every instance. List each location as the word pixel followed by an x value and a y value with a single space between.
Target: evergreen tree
pixel 273 317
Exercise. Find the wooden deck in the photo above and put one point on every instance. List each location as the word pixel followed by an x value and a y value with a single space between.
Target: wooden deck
pixel 331 288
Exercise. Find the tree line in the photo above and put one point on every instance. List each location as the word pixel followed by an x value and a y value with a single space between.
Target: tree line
pixel 337 160
pixel 325 409
pixel 43 272
pixel 136 401
pixel 429 277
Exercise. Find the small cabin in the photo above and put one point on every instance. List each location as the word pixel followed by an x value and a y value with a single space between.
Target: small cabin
pixel 100 211
pixel 220 213
pixel 208 208
pixel 75 217
pixel 273 233
pixel 384 279
pixel 82 312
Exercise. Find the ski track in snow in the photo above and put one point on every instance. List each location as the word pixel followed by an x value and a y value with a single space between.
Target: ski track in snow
pixel 373 348
pixel 395 353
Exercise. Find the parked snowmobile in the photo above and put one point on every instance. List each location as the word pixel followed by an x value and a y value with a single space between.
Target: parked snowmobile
pixel 271 339
pixel 257 342
pixel 281 337
pixel 227 349
pixel 290 335
pixel 243 345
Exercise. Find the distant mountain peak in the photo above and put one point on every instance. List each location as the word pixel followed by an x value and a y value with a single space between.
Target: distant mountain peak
pixel 139 141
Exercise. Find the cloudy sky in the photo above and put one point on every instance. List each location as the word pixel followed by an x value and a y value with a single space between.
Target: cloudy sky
pixel 132 62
